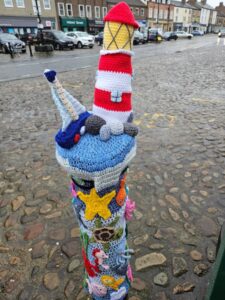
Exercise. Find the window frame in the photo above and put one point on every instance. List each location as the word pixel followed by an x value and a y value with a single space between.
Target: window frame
pixel 47 8
pixel 142 12
pixel 90 11
pixel 136 11
pixel 104 11
pixel 69 4
pixel 97 7
pixel 79 6
pixel 61 3
pixel 8 5
pixel 20 6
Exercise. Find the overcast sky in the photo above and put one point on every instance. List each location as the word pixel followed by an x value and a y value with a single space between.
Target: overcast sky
pixel 215 3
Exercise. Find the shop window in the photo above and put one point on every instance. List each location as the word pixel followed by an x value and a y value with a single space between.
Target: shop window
pixel 20 3
pixel 61 9
pixel 104 11
pixel 8 3
pixel 69 9
pixel 97 12
pixel 137 11
pixel 142 11
pixel 35 7
pixel 88 11
pixel 81 11
pixel 47 4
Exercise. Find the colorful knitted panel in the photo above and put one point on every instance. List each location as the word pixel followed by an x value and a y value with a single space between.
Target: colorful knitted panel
pixel 102 218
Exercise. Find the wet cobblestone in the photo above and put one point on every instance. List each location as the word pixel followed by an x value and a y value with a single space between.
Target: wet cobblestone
pixel 176 179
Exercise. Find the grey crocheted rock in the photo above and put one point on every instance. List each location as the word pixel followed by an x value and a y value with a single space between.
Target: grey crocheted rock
pixel 130 118
pixel 93 124
pixel 130 129
pixel 105 133
pixel 116 127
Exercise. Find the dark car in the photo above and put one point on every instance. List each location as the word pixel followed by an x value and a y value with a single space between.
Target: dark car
pixel 169 35
pixel 29 38
pixel 99 38
pixel 56 38
pixel 221 33
pixel 197 33
pixel 154 36
pixel 10 42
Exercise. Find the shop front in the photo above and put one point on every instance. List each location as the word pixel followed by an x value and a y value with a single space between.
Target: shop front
pixel 95 26
pixel 177 26
pixel 73 24
pixel 23 25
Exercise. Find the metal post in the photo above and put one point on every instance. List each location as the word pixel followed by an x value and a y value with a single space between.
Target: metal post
pixel 39 20
pixel 158 14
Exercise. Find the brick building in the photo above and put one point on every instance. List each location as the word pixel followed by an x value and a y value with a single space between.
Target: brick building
pixel 20 16
pixel 220 22
pixel 160 14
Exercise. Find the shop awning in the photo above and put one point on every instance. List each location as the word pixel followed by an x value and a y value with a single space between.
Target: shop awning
pixel 73 22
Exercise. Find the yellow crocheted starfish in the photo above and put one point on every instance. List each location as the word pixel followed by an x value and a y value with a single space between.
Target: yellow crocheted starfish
pixel 96 205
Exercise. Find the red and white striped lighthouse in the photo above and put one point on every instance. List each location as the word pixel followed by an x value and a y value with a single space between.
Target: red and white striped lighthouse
pixel 113 91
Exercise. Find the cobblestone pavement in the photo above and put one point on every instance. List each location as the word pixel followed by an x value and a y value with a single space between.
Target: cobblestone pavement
pixel 176 179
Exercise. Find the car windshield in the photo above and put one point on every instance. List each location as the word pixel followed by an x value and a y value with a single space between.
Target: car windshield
pixel 59 34
pixel 7 37
pixel 82 34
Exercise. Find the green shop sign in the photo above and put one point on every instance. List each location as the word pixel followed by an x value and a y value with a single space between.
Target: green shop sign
pixel 67 22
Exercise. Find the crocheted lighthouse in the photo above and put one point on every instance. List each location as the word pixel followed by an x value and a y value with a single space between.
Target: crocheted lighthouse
pixel 96 148
pixel 112 97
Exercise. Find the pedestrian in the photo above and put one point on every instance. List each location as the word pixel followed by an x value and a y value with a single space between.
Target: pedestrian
pixel 96 148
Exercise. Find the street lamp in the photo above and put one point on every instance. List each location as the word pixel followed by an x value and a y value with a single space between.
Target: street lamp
pixel 158 1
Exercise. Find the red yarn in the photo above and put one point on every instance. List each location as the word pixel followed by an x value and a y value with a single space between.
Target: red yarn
pixel 103 100
pixel 91 269
pixel 115 63
pixel 121 13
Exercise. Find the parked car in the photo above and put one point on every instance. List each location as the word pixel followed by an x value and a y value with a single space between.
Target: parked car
pixel 197 33
pixel 8 40
pixel 28 38
pixel 99 38
pixel 184 35
pixel 81 39
pixel 169 35
pixel 221 33
pixel 138 38
pixel 56 38
pixel 155 35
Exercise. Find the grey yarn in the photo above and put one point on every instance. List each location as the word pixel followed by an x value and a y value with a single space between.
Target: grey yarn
pixel 105 133
pixel 130 118
pixel 93 124
pixel 130 129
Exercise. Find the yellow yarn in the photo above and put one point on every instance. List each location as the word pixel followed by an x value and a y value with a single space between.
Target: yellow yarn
pixel 111 282
pixel 123 36
pixel 96 205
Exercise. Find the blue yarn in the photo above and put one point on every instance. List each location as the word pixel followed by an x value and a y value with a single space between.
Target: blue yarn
pixel 50 75
pixel 93 155
pixel 65 139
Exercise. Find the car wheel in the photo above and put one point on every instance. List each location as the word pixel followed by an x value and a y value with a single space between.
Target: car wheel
pixel 91 46
pixel 57 47
pixel 24 51
pixel 4 50
pixel 99 43
pixel 79 45
pixel 189 37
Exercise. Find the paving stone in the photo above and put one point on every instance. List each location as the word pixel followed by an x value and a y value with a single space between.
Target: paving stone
pixel 74 264
pixel 3 274
pixel 160 296
pixel 161 279
pixel 196 255
pixel 45 209
pixel 28 219
pixel 4 249
pixel 201 269
pixel 211 253
pixel 172 200
pixel 69 248
pixel 57 234
pixel 207 226
pixel 149 260
pixel 14 260
pixel 75 232
pixel 38 250
pixel 51 281
pixel 11 284
pixel 11 221
pixel 141 239
pixel 55 214
pixel 174 215
pixel 156 246
pixel 82 295
pixel 33 231
pixel 179 266
pixel 26 293
pixel 16 204
pixel 70 287
pixel 183 288
pixel 138 284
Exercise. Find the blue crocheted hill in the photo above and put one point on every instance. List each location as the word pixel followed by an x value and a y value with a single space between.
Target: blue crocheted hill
pixel 93 158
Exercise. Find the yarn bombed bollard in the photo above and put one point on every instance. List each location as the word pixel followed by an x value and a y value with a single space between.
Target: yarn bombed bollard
pixel 95 148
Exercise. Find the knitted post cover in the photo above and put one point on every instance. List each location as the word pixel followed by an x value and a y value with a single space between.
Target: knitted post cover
pixel 95 148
